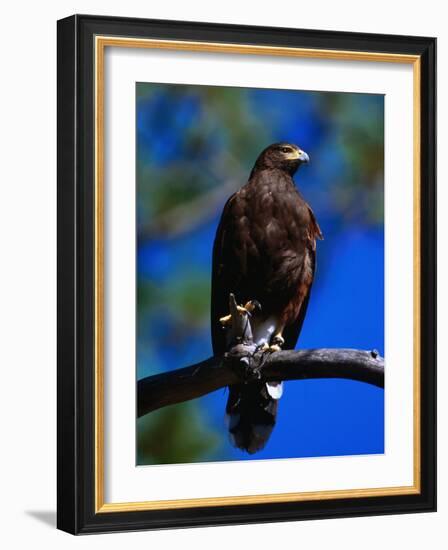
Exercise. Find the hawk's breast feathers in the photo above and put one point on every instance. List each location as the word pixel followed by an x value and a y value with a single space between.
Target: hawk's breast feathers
pixel 264 250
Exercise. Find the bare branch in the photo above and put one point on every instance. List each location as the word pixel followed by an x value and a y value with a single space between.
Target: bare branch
pixel 240 366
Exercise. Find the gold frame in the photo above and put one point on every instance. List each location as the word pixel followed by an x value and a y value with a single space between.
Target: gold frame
pixel 101 42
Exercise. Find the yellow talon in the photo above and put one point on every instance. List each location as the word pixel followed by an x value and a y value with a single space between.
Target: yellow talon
pixel 274 347
pixel 247 309
pixel 226 320
pixel 278 339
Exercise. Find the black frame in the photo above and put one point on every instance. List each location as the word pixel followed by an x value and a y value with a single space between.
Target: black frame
pixel 76 395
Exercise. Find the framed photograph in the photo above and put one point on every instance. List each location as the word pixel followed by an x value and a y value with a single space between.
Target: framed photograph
pixel 246 274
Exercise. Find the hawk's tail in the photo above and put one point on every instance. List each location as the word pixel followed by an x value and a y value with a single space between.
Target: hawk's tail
pixel 251 412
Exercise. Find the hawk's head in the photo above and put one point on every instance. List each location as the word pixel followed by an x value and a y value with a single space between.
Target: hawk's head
pixel 285 156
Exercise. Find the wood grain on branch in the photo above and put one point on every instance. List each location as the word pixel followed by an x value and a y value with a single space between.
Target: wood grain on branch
pixel 214 373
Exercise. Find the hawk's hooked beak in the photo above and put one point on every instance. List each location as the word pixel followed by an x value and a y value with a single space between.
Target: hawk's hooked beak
pixel 303 157
pixel 299 155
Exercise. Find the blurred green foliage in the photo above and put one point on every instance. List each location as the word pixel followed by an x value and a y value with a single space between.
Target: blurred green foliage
pixel 175 434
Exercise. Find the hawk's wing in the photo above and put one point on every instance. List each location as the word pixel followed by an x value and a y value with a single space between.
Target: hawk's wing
pixel 291 332
pixel 221 283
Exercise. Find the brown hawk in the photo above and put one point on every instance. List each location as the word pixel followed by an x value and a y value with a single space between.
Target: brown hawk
pixel 264 252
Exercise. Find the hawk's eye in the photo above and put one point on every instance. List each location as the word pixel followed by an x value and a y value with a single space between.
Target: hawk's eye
pixel 286 149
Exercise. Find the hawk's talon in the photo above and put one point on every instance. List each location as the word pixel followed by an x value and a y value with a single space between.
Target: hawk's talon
pixel 274 348
pixel 247 309
pixel 226 320
pixel 252 306
pixel 278 340
pixel 266 348
pixel 263 347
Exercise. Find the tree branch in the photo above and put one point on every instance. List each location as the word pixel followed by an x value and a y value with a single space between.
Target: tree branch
pixel 241 365
pixel 246 362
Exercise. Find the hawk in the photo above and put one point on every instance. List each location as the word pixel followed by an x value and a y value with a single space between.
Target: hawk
pixel 265 254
